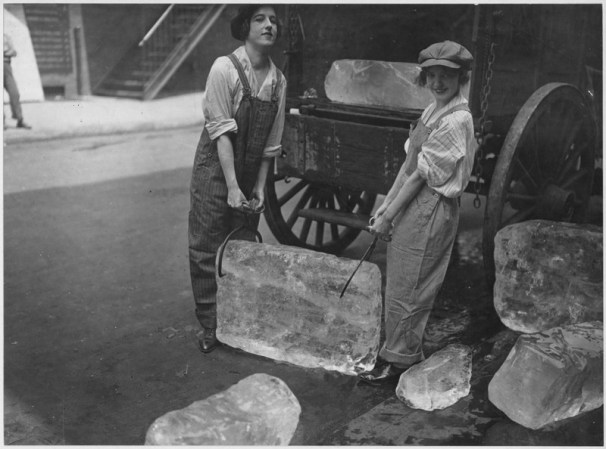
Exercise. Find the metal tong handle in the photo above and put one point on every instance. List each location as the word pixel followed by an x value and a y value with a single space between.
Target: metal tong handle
pixel 367 254
pixel 248 211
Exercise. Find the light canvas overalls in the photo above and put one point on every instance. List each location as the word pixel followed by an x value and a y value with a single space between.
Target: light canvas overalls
pixel 417 259
pixel 210 217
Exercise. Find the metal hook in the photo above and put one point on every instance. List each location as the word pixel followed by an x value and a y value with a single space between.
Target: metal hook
pixel 221 250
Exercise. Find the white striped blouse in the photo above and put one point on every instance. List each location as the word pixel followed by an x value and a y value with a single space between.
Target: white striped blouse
pixel 446 158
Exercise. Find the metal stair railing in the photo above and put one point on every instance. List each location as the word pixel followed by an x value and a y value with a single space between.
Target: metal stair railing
pixel 156 25
pixel 137 55
pixel 164 50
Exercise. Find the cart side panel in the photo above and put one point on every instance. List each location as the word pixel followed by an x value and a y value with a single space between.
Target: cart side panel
pixel 352 155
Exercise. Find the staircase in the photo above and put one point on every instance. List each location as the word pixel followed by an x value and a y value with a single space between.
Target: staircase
pixel 148 66
pixel 49 27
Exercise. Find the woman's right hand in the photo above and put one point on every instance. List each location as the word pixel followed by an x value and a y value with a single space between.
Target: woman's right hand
pixel 381 227
pixel 380 211
pixel 235 198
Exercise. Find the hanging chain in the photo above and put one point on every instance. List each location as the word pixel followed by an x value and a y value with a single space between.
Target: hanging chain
pixel 483 131
pixel 293 27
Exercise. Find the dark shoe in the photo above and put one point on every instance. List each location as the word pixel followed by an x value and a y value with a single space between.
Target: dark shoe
pixel 381 373
pixel 207 340
pixel 22 124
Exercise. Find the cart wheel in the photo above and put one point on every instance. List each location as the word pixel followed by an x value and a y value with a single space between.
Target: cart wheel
pixel 545 166
pixel 296 194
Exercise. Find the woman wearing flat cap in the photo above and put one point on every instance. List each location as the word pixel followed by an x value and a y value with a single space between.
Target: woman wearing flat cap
pixel 421 211
pixel 243 122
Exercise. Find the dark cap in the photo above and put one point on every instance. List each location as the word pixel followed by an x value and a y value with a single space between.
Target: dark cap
pixel 245 12
pixel 447 53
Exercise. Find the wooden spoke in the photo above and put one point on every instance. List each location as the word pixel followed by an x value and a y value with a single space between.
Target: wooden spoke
pixel 334 231
pixel 572 122
pixel 578 176
pixel 519 216
pixel 527 174
pixel 279 178
pixel 295 213
pixel 342 201
pixel 535 145
pixel 292 192
pixel 319 233
pixel 521 197
pixel 305 230
pixel 571 163
pixel 353 202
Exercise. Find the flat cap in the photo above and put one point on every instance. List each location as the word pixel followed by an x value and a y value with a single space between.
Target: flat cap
pixel 447 53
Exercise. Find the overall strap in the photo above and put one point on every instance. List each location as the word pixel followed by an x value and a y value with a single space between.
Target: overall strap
pixel 241 74
pixel 459 107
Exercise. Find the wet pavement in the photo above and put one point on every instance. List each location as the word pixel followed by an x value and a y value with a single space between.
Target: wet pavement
pixel 99 324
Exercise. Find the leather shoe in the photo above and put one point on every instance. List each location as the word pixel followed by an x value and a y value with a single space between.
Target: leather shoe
pixel 207 340
pixel 22 124
pixel 381 373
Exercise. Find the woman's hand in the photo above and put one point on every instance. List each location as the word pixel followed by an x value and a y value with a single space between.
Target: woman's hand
pixel 418 135
pixel 381 226
pixel 381 210
pixel 235 198
pixel 257 200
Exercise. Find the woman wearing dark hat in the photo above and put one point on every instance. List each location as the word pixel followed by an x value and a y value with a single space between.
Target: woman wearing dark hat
pixel 243 109
pixel 421 210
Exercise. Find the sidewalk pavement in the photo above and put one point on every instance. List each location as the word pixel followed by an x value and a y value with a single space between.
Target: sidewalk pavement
pixel 94 115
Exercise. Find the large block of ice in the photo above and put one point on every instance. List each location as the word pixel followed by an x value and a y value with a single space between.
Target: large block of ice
pixel 548 274
pixel 377 83
pixel 552 375
pixel 438 382
pixel 258 410
pixel 283 302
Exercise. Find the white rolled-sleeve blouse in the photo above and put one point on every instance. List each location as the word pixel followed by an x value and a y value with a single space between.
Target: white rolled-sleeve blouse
pixel 224 93
pixel 447 156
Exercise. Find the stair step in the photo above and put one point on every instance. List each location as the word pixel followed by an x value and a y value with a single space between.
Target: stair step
pixel 124 85
pixel 119 93
pixel 128 75
pixel 142 74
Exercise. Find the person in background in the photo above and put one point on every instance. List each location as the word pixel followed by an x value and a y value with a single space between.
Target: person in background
pixel 11 85
pixel 421 210
pixel 244 105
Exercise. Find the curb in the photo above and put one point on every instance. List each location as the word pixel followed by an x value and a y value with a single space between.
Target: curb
pixel 33 135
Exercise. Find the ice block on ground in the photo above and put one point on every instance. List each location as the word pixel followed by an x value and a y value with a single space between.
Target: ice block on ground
pixel 548 274
pixel 284 303
pixel 552 375
pixel 438 382
pixel 258 410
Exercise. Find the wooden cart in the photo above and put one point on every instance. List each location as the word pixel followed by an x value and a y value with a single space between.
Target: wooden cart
pixel 535 96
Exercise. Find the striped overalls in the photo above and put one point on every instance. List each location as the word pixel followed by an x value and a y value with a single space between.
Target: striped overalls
pixel 210 218
pixel 417 259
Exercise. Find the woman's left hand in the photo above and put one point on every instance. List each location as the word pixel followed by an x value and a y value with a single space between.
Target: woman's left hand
pixel 257 200
pixel 418 136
